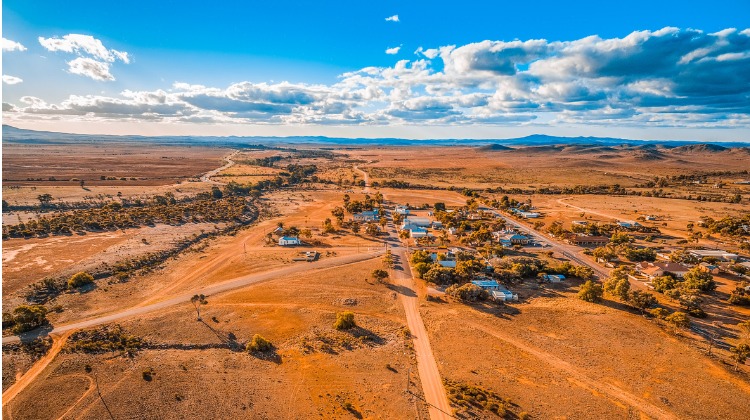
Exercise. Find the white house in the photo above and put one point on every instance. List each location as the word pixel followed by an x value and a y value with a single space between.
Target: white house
pixel 503 295
pixel 367 216
pixel 529 214
pixel 417 232
pixel 402 210
pixel 716 253
pixel 418 221
pixel 289 240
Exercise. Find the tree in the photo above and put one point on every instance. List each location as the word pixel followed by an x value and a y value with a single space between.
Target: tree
pixel 379 275
pixel 338 213
pixel 439 206
pixel 80 279
pixel 328 226
pixel 421 268
pixel 469 292
pixel 745 328
pixel 388 259
pixel 740 353
pixel 197 301
pixel 258 345
pixel 663 283
pixel 617 286
pixel 605 253
pixel 678 320
pixel 355 227
pixel 590 292
pixel 344 321
pixel 371 229
pixel 620 238
pixel 698 279
pixel 44 200
pixel 216 193
pixel 642 300
pixel 27 317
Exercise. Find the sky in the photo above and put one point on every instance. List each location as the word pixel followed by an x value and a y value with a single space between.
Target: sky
pixel 656 70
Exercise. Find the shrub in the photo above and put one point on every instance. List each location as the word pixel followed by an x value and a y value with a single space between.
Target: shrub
pixel 344 321
pixel 379 275
pixel 678 319
pixel 27 317
pixel 467 293
pixel 590 292
pixel 79 280
pixel 659 313
pixel 259 345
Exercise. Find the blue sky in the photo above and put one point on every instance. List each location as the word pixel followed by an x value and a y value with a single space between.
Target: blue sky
pixel 456 69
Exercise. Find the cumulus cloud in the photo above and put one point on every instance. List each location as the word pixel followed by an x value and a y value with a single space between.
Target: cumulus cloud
pixel 668 77
pixel 94 59
pixel 393 50
pixel 9 45
pixel 11 80
pixel 393 18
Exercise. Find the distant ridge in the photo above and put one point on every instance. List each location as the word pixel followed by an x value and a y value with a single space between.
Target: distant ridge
pixel 18 135
pixel 494 147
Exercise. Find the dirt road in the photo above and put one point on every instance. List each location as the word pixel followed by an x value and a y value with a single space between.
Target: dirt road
pixel 429 375
pixel 207 176
pixel 579 375
pixel 214 289
pixel 36 369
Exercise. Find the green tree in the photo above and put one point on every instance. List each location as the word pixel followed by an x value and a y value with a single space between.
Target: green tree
pixel 79 280
pixel 28 317
pixel 44 200
pixel 663 283
pixel 698 279
pixel 197 301
pixel 590 292
pixel 740 353
pixel 678 320
pixel 379 275
pixel 354 227
pixel 439 206
pixel 605 253
pixel 467 293
pixel 421 268
pixel 618 286
pixel 258 345
pixel 344 321
pixel 642 300
pixel 620 238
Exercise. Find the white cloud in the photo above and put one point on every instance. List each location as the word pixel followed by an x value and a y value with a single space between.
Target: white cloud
pixel 84 66
pixel 94 59
pixel 393 18
pixel 83 45
pixel 11 80
pixel 393 50
pixel 670 77
pixel 9 45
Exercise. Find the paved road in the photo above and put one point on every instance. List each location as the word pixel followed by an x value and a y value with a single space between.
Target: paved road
pixel 214 289
pixel 568 251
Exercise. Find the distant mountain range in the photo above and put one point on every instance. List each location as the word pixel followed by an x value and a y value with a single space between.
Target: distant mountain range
pixel 17 135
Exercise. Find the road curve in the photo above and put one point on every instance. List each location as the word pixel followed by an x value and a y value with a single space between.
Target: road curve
pixel 214 289
pixel 207 176
pixel 36 369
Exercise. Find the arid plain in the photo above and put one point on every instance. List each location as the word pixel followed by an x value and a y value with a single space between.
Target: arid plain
pixel 161 226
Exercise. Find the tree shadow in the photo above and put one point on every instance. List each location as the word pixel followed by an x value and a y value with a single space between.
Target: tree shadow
pixel 228 339
pixel 366 335
pixel 39 332
pixel 403 290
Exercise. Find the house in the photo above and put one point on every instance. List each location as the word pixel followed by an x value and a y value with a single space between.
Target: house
pixel 367 216
pixel 715 253
pixel 447 263
pixel 629 225
pixel 516 239
pixel 417 232
pixel 709 268
pixel 554 278
pixel 657 269
pixel 418 221
pixel 486 284
pixel 529 215
pixel 437 225
pixel 588 240
pixel 289 240
pixel 580 223
pixel 664 254
pixel 503 295
pixel 402 210
pixel 452 230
